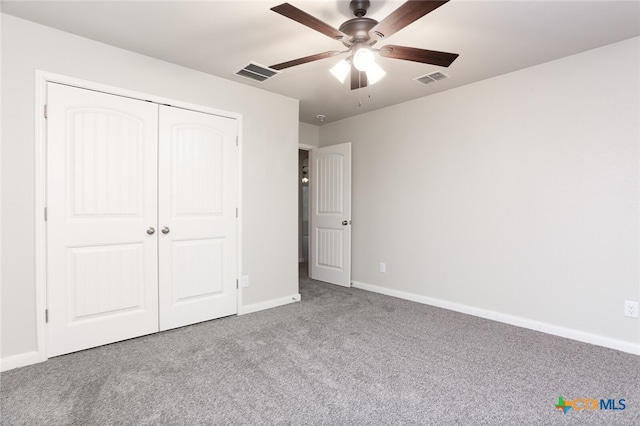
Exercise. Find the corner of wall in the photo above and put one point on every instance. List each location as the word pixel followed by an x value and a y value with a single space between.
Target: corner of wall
pixel 309 135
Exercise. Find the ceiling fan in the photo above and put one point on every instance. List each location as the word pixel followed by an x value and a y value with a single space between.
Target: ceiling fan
pixel 359 34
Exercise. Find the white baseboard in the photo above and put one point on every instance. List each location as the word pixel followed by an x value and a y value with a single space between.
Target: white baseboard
pixel 555 330
pixel 20 360
pixel 273 303
pixel 34 357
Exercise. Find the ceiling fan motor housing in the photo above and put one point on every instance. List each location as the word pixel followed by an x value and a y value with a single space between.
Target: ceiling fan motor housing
pixel 357 29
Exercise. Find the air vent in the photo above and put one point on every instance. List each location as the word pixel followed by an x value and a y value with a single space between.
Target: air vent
pixel 257 72
pixel 432 77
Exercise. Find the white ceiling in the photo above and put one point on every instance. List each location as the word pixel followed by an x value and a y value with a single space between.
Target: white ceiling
pixel 220 37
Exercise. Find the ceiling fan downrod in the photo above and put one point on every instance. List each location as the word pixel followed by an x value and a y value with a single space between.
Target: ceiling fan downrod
pixel 359 7
pixel 358 28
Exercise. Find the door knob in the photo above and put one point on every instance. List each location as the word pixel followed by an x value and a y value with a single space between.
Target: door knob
pixel 165 229
pixel 151 230
pixel 345 222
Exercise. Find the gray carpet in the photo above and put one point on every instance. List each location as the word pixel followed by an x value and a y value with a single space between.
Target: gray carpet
pixel 340 357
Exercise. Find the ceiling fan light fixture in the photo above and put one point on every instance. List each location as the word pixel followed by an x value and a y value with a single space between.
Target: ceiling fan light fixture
pixel 359 34
pixel 375 73
pixel 363 58
pixel 341 70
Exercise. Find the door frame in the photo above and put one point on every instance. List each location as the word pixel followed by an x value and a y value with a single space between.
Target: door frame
pixel 40 137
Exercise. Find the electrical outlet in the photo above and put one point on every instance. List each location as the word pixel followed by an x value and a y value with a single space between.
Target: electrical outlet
pixel 383 267
pixel 245 281
pixel 631 309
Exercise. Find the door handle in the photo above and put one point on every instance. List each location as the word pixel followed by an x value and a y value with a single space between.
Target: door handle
pixel 165 229
pixel 151 230
pixel 345 222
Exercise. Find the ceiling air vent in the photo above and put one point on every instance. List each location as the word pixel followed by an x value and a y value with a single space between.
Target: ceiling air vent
pixel 432 77
pixel 257 72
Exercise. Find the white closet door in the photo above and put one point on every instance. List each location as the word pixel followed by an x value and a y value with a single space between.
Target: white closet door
pixel 101 205
pixel 198 187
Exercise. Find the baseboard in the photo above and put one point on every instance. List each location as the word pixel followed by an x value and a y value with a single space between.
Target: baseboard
pixel 34 357
pixel 20 360
pixel 273 303
pixel 555 330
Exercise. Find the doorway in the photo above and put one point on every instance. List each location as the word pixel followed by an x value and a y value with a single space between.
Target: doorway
pixel 325 198
pixel 303 212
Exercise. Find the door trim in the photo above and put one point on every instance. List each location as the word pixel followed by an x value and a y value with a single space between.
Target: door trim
pixel 305 147
pixel 40 99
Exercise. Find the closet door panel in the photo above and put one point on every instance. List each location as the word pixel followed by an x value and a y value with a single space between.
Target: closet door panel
pixel 198 187
pixel 101 200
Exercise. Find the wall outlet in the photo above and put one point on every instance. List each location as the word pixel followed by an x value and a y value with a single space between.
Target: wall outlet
pixel 631 309
pixel 383 267
pixel 245 281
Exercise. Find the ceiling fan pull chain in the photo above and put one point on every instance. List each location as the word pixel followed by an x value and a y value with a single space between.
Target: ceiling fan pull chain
pixel 359 89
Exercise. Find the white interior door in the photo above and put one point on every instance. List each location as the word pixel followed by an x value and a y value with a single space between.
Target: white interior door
pixel 198 183
pixel 330 218
pixel 102 276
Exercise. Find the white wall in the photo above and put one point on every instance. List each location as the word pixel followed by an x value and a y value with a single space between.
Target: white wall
pixel 269 160
pixel 309 134
pixel 516 197
pixel 1 209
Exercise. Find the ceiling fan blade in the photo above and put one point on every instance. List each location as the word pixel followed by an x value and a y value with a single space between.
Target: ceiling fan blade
pixel 358 78
pixel 304 60
pixel 433 57
pixel 409 12
pixel 292 12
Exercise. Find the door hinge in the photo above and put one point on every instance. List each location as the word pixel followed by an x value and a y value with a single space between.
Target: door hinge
pixel 46 315
pixel 237 284
pixel 236 212
pixel 236 140
pixel 45 214
pixel 46 115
